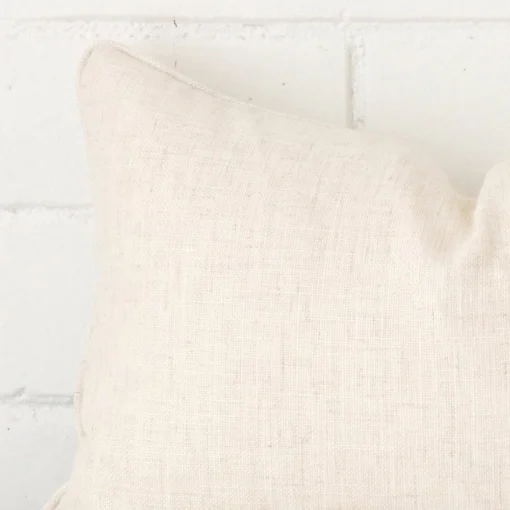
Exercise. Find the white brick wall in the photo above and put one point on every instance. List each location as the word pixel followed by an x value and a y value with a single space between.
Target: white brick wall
pixel 443 87
pixel 432 72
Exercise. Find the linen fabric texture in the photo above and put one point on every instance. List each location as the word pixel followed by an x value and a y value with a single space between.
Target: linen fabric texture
pixel 290 316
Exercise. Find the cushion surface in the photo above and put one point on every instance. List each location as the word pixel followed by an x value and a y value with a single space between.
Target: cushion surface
pixel 290 316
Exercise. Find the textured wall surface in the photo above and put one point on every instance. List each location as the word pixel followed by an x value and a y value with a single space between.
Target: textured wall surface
pixel 432 73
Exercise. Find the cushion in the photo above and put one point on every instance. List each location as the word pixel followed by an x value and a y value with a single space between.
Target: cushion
pixel 290 315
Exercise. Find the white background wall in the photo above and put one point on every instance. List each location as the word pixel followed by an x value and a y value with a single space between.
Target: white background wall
pixel 433 72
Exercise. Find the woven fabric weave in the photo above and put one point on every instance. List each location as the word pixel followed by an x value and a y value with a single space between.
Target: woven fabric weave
pixel 291 315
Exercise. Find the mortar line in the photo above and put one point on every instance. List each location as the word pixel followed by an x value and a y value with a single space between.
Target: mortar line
pixel 426 20
pixel 355 49
pixel 349 88
pixel 21 397
pixel 176 20
pixel 15 208
pixel 45 214
pixel 330 20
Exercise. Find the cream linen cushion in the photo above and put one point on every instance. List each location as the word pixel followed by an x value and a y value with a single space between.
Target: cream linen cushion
pixel 291 316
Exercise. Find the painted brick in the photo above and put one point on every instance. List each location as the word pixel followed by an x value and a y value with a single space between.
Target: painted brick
pixel 36 451
pixel 47 272
pixel 41 146
pixel 430 9
pixel 274 67
pixel 41 149
pixel 260 10
pixel 202 9
pixel 441 87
